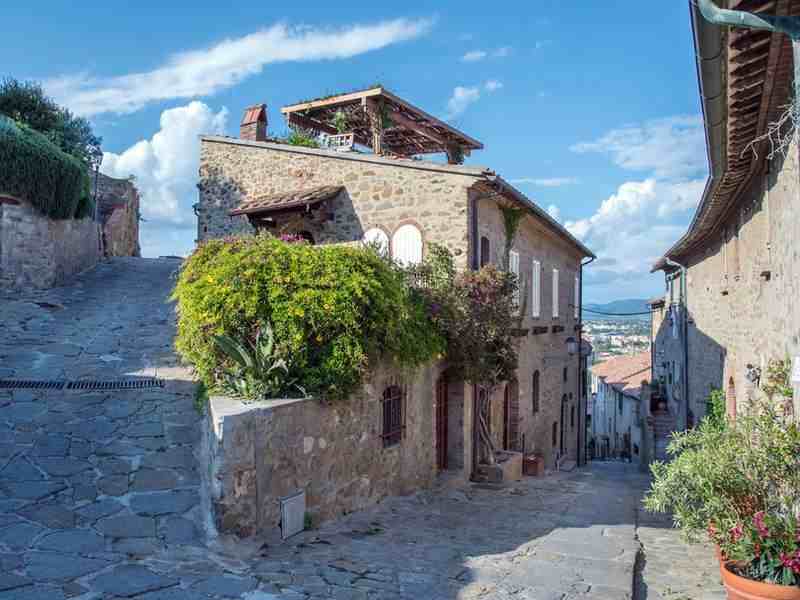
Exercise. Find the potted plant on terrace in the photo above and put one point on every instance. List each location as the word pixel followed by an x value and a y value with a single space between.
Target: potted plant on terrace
pixel 738 484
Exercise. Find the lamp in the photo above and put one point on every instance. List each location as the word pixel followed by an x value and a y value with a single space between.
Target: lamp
pixel 572 346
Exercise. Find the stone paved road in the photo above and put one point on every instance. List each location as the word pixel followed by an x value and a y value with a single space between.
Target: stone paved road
pixel 100 492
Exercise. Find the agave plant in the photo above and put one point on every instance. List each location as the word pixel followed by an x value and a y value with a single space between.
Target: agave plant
pixel 258 371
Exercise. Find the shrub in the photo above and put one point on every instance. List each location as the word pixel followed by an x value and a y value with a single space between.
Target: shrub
pixel 301 137
pixel 334 310
pixel 34 169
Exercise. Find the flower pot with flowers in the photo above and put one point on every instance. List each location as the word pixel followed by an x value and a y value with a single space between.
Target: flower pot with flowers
pixel 738 484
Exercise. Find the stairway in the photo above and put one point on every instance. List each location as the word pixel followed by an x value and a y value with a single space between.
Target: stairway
pixel 663 426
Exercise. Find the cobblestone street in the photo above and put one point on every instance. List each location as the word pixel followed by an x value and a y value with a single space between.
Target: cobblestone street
pixel 100 494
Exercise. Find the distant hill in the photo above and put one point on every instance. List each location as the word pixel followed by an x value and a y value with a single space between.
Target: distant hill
pixel 617 307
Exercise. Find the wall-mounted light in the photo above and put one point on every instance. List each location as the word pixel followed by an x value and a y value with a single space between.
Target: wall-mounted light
pixel 572 346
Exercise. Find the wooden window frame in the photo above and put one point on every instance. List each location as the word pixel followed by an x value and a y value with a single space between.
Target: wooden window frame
pixel 393 415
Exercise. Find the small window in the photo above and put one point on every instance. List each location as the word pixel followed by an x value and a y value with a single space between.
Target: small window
pixel 555 433
pixel 572 417
pixel 619 402
pixel 555 293
pixel 535 392
pixel 566 374
pixel 513 267
pixel 377 237
pixel 392 416
pixel 577 299
pixel 536 289
pixel 407 245
pixel 486 256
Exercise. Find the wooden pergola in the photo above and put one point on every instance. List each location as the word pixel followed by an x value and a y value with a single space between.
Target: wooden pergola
pixel 380 120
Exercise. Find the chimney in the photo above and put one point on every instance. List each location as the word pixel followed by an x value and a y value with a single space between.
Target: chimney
pixel 254 124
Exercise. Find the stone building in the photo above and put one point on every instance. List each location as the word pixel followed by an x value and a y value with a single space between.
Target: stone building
pixel 730 306
pixel 118 211
pixel 617 404
pixel 342 193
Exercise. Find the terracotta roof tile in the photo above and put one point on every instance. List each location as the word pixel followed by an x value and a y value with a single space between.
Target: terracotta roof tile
pixel 286 200
pixel 625 373
pixel 254 114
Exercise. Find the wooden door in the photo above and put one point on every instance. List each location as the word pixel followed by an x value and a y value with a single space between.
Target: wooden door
pixel 511 417
pixel 441 423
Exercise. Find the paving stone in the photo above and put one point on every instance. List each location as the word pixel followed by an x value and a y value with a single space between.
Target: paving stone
pixel 137 547
pixel 54 516
pixel 80 541
pixel 51 445
pixel 147 480
pixel 225 585
pixel 113 485
pixel 53 566
pixel 180 457
pixel 10 561
pixel 99 509
pixel 117 408
pixel 81 449
pixel 96 430
pixel 84 491
pixel 115 466
pixel 20 469
pixel 127 526
pixel 63 467
pixel 20 535
pixel 177 530
pixel 130 580
pixel 34 592
pixel 151 429
pixel 164 503
pixel 10 581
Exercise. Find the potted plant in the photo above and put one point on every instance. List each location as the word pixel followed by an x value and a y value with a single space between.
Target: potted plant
pixel 738 484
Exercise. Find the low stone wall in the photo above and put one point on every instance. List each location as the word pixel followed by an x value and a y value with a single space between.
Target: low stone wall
pixel 38 252
pixel 260 452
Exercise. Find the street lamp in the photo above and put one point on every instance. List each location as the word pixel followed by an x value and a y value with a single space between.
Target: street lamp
pixel 572 346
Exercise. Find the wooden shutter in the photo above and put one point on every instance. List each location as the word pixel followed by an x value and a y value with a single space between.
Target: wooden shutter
pixel 378 237
pixel 513 267
pixel 536 289
pixel 555 293
pixel 407 245
pixel 577 295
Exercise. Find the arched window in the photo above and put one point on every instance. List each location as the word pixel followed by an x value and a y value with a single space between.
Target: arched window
pixel 377 237
pixel 407 245
pixel 535 392
pixel 485 251
pixel 392 415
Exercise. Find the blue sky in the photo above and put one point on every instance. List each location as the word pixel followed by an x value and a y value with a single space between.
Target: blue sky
pixel 590 107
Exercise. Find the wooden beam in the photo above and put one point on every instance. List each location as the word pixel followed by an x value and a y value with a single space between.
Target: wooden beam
pixel 333 100
pixel 404 121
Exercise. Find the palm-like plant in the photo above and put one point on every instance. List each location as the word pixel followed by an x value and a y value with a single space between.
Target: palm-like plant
pixel 257 370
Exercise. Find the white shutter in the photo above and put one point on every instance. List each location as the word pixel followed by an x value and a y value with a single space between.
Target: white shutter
pixel 536 289
pixel 377 237
pixel 555 293
pixel 407 245
pixel 513 267
pixel 577 295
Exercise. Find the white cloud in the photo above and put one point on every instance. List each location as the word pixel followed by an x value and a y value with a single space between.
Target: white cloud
pixel 474 56
pixel 203 72
pixel 554 212
pixel 551 182
pixel 464 96
pixel 669 148
pixel 165 167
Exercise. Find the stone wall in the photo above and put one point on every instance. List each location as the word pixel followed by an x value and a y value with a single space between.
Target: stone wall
pixel 743 289
pixel 118 204
pixel 38 252
pixel 542 352
pixel 379 192
pixel 261 452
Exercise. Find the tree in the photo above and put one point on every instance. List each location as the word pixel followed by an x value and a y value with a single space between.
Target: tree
pixel 27 103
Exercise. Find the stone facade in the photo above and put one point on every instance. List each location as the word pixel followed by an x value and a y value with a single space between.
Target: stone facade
pixel 262 452
pixel 39 252
pixel 118 206
pixel 447 204
pixel 742 307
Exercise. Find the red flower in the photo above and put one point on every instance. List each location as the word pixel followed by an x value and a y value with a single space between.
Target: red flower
pixel 737 533
pixel 758 521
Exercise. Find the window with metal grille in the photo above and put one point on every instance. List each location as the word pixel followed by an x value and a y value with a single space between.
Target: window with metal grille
pixel 486 256
pixel 392 415
pixel 535 392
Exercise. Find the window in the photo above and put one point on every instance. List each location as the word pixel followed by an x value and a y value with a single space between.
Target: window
pixel 619 402
pixel 535 392
pixel 536 289
pixel 566 374
pixel 572 417
pixel 377 237
pixel 577 298
pixel 513 267
pixel 407 245
pixel 392 415
pixel 486 256
pixel 555 433
pixel 555 293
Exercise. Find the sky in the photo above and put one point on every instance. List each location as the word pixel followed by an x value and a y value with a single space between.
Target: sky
pixel 590 108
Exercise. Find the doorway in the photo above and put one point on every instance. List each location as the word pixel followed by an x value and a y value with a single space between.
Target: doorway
pixel 441 423
pixel 511 417
pixel 562 443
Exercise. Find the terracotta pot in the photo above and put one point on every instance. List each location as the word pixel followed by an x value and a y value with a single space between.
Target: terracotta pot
pixel 739 588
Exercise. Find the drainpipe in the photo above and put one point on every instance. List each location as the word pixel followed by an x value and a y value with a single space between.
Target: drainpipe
pixel 685 334
pixel 581 413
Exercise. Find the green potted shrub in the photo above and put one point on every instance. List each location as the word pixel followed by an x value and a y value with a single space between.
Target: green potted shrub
pixel 739 485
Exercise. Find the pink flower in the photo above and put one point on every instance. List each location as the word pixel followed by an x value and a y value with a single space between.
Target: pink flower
pixel 737 532
pixel 758 521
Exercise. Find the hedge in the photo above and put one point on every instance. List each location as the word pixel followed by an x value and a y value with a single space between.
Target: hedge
pixel 32 168
pixel 335 310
